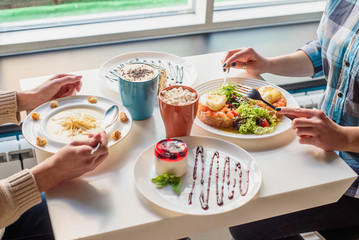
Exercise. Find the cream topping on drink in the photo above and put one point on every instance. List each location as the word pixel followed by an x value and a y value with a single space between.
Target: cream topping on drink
pixel 178 96
pixel 136 72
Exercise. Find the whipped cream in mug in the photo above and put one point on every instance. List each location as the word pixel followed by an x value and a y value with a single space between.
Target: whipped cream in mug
pixel 178 96
pixel 137 72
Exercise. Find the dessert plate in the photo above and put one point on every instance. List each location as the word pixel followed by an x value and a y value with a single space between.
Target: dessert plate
pixel 178 70
pixel 32 129
pixel 144 171
pixel 283 126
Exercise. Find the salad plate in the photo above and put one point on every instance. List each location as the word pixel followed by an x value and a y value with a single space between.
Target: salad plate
pixel 144 171
pixel 78 104
pixel 178 70
pixel 212 85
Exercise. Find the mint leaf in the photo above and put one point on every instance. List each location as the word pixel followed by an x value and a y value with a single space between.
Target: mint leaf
pixel 176 185
pixel 165 179
pixel 160 181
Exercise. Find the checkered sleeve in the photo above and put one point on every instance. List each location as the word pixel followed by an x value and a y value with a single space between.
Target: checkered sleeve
pixel 314 51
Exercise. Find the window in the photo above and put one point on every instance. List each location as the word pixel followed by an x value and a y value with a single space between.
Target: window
pixel 19 14
pixel 72 23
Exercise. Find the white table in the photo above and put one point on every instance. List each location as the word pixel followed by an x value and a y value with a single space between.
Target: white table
pixel 107 205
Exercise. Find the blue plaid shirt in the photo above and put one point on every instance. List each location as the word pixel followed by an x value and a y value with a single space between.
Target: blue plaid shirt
pixel 335 54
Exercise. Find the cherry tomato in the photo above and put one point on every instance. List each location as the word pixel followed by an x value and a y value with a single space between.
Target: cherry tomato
pixel 230 115
pixel 265 123
pixel 221 114
pixel 203 108
pixel 209 113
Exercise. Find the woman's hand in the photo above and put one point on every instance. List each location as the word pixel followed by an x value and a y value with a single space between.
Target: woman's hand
pixel 246 58
pixel 73 160
pixel 61 85
pixel 296 64
pixel 315 128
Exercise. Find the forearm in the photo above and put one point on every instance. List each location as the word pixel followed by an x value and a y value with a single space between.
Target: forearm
pixel 296 64
pixel 25 101
pixel 46 175
pixel 352 139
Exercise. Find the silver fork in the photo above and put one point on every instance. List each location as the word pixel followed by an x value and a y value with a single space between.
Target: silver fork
pixel 253 93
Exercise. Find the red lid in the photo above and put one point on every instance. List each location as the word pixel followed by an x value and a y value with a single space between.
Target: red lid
pixel 171 150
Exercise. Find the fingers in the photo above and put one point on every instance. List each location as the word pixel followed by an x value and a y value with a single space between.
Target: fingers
pixel 91 141
pixel 78 86
pixel 305 139
pixel 61 75
pixel 228 55
pixel 99 159
pixel 297 112
pixel 100 137
pixel 241 57
pixel 306 131
pixel 70 91
pixel 83 150
pixel 87 142
pixel 305 123
pixel 101 154
pixel 104 139
pixel 63 85
pixel 67 79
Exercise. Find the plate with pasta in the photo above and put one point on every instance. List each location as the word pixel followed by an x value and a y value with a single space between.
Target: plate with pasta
pixel 54 124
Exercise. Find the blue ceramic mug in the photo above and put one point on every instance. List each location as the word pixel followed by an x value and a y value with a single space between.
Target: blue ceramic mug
pixel 138 83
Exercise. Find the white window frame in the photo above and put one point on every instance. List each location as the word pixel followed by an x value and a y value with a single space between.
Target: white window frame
pixel 203 20
pixel 235 4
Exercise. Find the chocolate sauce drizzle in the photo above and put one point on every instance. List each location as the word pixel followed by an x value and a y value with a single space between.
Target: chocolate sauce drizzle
pixel 204 198
pixel 199 150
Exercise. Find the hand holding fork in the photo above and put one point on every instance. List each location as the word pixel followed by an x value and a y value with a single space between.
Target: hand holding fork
pixel 253 93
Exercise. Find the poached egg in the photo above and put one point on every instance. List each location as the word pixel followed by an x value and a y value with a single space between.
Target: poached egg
pixel 213 101
pixel 270 94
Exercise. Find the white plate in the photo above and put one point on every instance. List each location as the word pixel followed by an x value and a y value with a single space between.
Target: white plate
pixel 189 72
pixel 32 129
pixel 283 126
pixel 144 171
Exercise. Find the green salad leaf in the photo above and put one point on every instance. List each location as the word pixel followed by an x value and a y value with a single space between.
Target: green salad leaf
pixel 168 179
pixel 228 89
pixel 249 114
